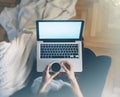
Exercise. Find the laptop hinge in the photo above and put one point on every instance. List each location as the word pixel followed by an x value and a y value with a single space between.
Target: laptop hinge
pixel 58 40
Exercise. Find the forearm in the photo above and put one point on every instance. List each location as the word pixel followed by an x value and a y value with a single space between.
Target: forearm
pixel 42 89
pixel 76 87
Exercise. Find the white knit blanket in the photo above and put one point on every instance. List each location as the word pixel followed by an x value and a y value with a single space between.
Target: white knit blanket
pixel 14 55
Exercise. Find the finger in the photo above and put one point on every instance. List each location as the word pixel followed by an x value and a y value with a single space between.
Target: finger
pixel 54 75
pixel 69 65
pixel 47 68
pixel 64 67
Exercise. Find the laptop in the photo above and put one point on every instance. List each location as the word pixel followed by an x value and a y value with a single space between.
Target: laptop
pixel 59 40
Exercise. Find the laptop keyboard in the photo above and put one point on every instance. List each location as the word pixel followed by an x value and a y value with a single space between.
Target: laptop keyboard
pixel 59 51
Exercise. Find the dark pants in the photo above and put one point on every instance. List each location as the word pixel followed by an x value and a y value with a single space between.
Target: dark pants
pixel 95 71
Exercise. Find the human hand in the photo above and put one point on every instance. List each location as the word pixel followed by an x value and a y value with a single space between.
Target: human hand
pixel 69 69
pixel 47 77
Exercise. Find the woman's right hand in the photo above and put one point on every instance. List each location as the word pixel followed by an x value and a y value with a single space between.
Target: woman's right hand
pixel 69 69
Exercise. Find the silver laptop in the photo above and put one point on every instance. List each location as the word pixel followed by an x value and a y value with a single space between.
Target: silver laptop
pixel 59 40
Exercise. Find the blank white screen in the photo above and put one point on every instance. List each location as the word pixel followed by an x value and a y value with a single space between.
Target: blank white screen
pixel 59 30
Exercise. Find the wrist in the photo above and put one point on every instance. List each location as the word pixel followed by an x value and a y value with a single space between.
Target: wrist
pixel 72 79
pixel 74 82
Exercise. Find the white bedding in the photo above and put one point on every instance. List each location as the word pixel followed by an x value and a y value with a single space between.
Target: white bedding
pixel 14 65
pixel 24 15
pixel 14 55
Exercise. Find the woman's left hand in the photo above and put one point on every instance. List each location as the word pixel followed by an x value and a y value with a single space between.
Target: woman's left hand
pixel 47 78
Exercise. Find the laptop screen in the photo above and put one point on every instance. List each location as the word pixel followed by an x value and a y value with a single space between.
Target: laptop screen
pixel 59 30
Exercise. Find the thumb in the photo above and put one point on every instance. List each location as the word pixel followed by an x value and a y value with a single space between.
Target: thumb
pixel 54 75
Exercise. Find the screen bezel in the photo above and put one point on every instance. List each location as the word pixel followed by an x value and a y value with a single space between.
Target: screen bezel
pixel 59 40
